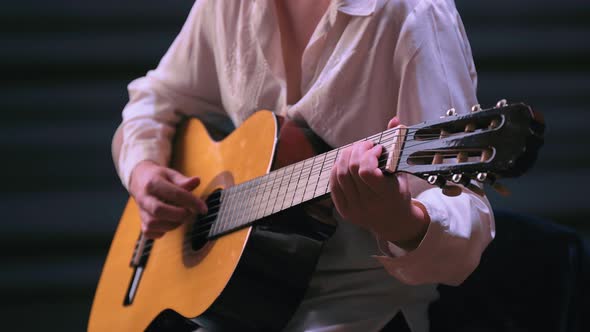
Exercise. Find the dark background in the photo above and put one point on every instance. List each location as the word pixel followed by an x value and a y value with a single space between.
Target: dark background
pixel 64 67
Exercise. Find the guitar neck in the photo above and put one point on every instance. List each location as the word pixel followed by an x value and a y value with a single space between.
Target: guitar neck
pixel 483 145
pixel 279 190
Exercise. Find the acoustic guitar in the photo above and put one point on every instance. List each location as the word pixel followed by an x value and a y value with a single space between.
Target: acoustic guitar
pixel 246 264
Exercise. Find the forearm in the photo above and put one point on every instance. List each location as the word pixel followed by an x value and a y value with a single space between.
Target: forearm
pixel 460 229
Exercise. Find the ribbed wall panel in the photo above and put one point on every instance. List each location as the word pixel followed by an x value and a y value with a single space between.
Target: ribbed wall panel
pixel 64 68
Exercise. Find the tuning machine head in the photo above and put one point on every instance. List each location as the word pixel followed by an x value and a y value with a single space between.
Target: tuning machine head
pixel 436 180
pixel 481 177
pixel 490 179
pixel 501 103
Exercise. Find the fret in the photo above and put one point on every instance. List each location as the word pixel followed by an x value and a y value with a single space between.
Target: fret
pixel 241 192
pixel 272 192
pixel 306 174
pixel 304 179
pixel 282 189
pixel 256 197
pixel 313 178
pixel 265 194
pixel 379 139
pixel 245 203
pixel 231 209
pixel 224 202
pixel 322 185
pixel 292 187
pixel 276 190
pixel 319 175
pixel 324 176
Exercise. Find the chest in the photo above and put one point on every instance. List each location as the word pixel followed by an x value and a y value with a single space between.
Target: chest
pixel 332 80
pixel 297 21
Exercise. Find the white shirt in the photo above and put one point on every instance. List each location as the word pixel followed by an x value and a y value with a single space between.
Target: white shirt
pixel 367 61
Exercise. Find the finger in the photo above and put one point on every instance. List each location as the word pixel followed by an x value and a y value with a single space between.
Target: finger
pixel 357 154
pixel 151 223
pixel 369 171
pixel 337 194
pixel 161 210
pixel 343 176
pixel 175 195
pixel 394 122
pixel 191 183
pixel 179 179
pixel 403 183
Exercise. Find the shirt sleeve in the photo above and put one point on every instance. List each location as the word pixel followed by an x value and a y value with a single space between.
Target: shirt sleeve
pixel 435 68
pixel 184 84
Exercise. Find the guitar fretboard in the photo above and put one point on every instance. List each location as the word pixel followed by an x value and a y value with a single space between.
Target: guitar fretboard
pixel 243 204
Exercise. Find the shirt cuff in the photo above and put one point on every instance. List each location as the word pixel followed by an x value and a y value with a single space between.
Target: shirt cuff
pixel 136 154
pixel 411 266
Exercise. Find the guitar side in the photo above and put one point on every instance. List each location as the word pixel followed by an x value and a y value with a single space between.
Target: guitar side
pixel 186 281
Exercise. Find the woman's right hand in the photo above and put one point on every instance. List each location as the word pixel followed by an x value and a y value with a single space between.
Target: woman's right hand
pixel 164 197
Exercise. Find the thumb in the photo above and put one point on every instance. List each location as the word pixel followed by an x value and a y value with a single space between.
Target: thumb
pixel 394 122
pixel 187 183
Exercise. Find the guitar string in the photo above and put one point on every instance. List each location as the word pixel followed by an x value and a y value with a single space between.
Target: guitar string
pixel 289 175
pixel 264 214
pixel 293 167
pixel 187 243
pixel 382 141
pixel 255 205
pixel 207 220
pixel 295 170
pixel 278 184
pixel 146 252
pixel 216 202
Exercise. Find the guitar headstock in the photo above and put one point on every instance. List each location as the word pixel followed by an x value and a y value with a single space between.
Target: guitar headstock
pixel 484 145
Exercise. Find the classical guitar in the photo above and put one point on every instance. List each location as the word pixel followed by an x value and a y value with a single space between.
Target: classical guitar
pixel 246 264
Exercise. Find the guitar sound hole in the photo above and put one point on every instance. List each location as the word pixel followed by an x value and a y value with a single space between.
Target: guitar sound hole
pixel 200 231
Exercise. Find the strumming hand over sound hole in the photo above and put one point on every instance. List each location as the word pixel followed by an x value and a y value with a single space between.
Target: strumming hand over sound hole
pixel 200 229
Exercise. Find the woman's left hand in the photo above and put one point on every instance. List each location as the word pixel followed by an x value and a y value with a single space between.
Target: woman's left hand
pixel 365 196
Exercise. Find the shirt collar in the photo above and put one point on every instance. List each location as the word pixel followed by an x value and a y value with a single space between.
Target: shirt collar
pixel 356 7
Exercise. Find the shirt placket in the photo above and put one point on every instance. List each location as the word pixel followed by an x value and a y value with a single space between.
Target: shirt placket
pixel 264 29
pixel 315 49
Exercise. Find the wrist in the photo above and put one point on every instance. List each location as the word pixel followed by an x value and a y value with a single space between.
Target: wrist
pixel 416 226
pixel 139 168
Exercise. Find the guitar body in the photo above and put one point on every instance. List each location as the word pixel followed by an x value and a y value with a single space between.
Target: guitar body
pixel 250 279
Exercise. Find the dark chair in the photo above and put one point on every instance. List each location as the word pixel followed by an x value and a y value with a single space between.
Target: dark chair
pixel 535 276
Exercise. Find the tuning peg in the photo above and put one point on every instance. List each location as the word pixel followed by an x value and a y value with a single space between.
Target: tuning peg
pixel 476 108
pixel 451 112
pixel 501 189
pixel 501 103
pixel 481 177
pixel 436 180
